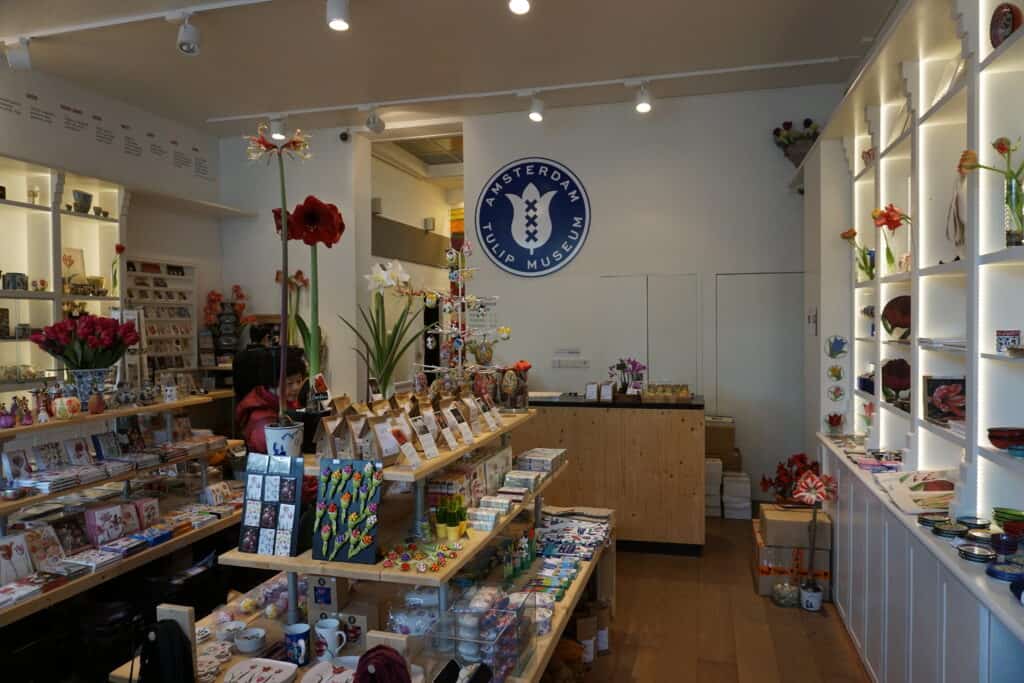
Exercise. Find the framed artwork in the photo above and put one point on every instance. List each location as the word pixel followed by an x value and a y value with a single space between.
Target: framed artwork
pixel 945 398
pixel 347 511
pixel 72 262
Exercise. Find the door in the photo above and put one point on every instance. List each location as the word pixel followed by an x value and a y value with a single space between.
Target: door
pixel 759 369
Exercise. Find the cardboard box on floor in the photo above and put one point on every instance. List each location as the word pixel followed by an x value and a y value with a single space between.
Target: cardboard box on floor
pixel 731 462
pixel 790 528
pixel 772 563
pixel 719 435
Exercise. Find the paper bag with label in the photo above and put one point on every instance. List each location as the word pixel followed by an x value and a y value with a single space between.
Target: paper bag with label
pixel 359 436
pixel 424 437
pixel 385 447
pixel 471 412
pixel 488 414
pixel 454 417
pixel 441 420
pixel 401 429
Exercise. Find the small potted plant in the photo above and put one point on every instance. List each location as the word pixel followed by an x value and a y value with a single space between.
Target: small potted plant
pixel 787 474
pixel 813 489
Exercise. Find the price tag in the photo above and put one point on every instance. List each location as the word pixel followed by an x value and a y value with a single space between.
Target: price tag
pixel 449 438
pixel 429 446
pixel 411 456
pixel 466 432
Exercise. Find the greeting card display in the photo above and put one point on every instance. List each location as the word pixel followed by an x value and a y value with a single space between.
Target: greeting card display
pixel 71 531
pixel 16 464
pixel 48 456
pixel 347 511
pixel 77 451
pixel 106 445
pixel 270 519
pixel 105 523
pixel 15 560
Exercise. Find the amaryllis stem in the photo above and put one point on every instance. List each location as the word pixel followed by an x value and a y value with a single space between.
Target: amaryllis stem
pixel 314 314
pixel 282 376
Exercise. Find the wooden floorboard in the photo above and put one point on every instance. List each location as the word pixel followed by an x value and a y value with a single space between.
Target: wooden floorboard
pixel 697 619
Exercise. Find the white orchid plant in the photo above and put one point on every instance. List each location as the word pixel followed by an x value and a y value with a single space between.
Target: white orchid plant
pixel 383 346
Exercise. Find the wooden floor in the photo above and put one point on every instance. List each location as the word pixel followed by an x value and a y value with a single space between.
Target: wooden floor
pixel 683 619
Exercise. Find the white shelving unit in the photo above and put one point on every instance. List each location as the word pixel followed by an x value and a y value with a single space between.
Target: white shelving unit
pixel 933 59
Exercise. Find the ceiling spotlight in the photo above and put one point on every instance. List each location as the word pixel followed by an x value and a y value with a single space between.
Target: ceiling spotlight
pixel 519 6
pixel 277 129
pixel 17 54
pixel 337 14
pixel 643 100
pixel 374 123
pixel 537 110
pixel 188 38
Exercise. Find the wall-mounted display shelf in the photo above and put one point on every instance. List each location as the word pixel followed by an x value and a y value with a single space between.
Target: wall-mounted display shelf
pixel 867 284
pixel 864 396
pixel 937 62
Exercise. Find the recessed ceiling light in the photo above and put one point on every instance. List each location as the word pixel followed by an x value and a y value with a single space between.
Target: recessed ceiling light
pixel 519 6
pixel 337 14
pixel 374 123
pixel 537 110
pixel 17 54
pixel 277 129
pixel 188 38
pixel 643 100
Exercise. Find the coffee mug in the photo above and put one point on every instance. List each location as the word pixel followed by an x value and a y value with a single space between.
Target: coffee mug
pixel 329 639
pixel 297 643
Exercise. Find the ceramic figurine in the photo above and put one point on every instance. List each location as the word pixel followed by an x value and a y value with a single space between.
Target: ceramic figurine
pixel 147 396
pixel 96 404
pixel 25 414
pixel 125 394
pixel 6 418
pixel 430 300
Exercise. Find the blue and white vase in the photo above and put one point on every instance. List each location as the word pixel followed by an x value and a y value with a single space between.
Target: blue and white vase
pixel 88 382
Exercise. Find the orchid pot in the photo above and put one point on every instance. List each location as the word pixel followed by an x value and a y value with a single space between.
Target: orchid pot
pixel 284 439
pixel 810 596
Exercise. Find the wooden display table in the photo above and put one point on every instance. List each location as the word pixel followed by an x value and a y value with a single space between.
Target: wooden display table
pixel 645 462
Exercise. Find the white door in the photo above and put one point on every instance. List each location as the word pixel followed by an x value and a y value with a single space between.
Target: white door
pixel 760 366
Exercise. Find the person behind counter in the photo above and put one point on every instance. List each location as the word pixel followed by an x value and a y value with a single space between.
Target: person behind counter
pixel 255 379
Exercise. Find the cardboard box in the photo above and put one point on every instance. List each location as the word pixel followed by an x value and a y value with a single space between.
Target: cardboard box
pixel 731 462
pixel 719 435
pixel 786 528
pixel 771 564
pixel 358 618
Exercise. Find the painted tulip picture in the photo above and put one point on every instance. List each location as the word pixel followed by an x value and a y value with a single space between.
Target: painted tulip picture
pixel 837 346
pixel 945 398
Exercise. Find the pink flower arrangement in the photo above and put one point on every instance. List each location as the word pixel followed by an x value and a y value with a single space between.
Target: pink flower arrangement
pixel 88 342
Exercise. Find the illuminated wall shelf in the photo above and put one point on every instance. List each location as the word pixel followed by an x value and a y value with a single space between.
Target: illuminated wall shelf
pixel 931 86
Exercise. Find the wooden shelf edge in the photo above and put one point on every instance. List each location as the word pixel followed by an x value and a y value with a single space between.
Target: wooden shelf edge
pixel 305 564
pixel 20 610
pixel 428 467
pixel 15 432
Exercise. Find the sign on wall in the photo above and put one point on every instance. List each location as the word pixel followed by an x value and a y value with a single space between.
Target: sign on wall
pixel 532 217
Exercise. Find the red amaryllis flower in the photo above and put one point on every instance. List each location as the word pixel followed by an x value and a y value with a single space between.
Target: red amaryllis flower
pixel 296 231
pixel 1002 145
pixel 119 248
pixel 319 222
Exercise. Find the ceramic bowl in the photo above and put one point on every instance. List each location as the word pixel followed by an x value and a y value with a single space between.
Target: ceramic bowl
pixel 1014 528
pixel 1004 437
pixel 229 630
pixel 1004 544
pixel 250 640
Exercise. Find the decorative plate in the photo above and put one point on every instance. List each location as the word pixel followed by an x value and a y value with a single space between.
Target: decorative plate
pixel 974 522
pixel 324 672
pixel 1005 571
pixel 976 553
pixel 932 518
pixel 836 346
pixel 836 393
pixel 896 317
pixel 835 373
pixel 1006 19
pixel 261 671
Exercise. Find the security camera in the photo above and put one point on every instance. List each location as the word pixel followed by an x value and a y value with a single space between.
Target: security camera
pixel 344 135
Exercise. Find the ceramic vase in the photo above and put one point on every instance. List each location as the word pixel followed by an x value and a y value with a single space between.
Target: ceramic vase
pixel 89 381
pixel 96 403
pixel 810 598
pixel 284 439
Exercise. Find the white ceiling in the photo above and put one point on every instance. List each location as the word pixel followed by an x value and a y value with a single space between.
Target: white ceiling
pixel 281 55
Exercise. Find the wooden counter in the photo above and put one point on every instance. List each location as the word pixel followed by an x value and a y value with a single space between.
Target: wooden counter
pixel 646 463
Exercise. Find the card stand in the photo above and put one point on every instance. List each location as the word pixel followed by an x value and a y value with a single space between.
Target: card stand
pixel 273 501
pixel 501 638
pixel 346 526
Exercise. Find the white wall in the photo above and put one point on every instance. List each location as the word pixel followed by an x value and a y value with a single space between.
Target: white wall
pixel 252 251
pixel 407 199
pixel 193 239
pixel 697 186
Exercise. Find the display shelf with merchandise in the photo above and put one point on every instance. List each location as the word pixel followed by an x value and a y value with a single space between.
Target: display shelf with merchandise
pixel 395 531
pixel 25 608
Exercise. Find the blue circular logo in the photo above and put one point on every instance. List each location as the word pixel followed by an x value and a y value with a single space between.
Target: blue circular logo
pixel 532 217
